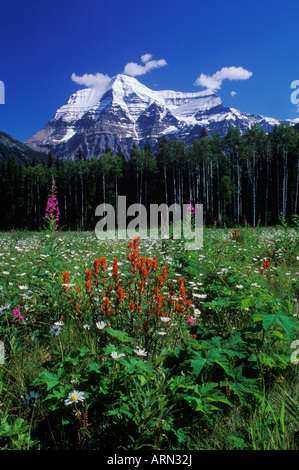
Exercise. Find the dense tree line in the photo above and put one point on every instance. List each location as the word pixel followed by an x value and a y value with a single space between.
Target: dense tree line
pixel 251 178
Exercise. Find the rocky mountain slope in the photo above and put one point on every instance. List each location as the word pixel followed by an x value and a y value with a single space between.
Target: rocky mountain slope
pixel 11 147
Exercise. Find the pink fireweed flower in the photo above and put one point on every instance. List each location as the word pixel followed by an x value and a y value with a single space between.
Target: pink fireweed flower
pixel 52 210
pixel 17 313
pixel 190 209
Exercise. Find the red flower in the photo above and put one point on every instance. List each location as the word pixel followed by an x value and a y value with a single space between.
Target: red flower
pixel 115 274
pixel 106 306
pixel 164 270
pixel 88 286
pixel 144 273
pixel 77 306
pixel 66 277
pixel 66 280
pixel 148 263
pixel 120 294
pixel 103 263
pixel 96 265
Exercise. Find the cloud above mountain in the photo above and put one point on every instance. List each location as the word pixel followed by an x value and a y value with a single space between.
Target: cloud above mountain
pixel 214 82
pixel 99 81
pixel 133 69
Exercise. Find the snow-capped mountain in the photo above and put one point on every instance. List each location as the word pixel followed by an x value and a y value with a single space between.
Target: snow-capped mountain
pixel 129 112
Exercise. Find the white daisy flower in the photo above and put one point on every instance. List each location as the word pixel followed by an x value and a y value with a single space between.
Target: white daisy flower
pixel 140 352
pixel 101 325
pixel 74 381
pixel 115 355
pixel 55 330
pixel 74 397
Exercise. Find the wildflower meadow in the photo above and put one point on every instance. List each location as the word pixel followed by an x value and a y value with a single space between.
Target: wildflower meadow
pixel 135 344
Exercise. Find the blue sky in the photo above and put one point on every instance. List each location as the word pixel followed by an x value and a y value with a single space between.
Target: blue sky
pixel 44 42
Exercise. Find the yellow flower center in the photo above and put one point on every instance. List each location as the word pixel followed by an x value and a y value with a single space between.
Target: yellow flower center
pixel 74 397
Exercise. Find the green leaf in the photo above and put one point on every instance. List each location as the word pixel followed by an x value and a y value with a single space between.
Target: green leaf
pixel 198 363
pixel 120 335
pixel 241 385
pixel 48 378
pixel 281 319
pixel 93 366
pixel 204 397
pixel 215 354
pixel 76 356
pixel 246 303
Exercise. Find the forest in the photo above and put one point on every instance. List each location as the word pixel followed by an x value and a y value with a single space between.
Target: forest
pixel 250 178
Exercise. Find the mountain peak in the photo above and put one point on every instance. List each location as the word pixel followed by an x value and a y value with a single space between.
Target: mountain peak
pixel 128 112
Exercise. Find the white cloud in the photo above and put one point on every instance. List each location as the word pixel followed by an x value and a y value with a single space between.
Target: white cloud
pixel 214 82
pixel 208 82
pixel 98 80
pixel 134 69
pixel 146 57
pixel 233 93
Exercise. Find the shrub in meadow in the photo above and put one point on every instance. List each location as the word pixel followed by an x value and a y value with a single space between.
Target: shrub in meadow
pixel 146 305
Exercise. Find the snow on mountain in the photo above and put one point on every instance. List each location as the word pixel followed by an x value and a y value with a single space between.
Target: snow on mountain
pixel 128 111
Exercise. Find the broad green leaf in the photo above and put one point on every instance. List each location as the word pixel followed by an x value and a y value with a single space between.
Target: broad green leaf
pixel 198 363
pixel 120 335
pixel 93 366
pixel 241 385
pixel 48 378
pixel 280 318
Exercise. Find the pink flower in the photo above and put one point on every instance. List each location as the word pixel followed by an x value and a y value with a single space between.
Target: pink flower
pixel 190 320
pixel 17 313
pixel 294 300
pixel 190 209
pixel 52 209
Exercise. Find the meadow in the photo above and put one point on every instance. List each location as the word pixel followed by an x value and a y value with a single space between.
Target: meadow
pixel 139 344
